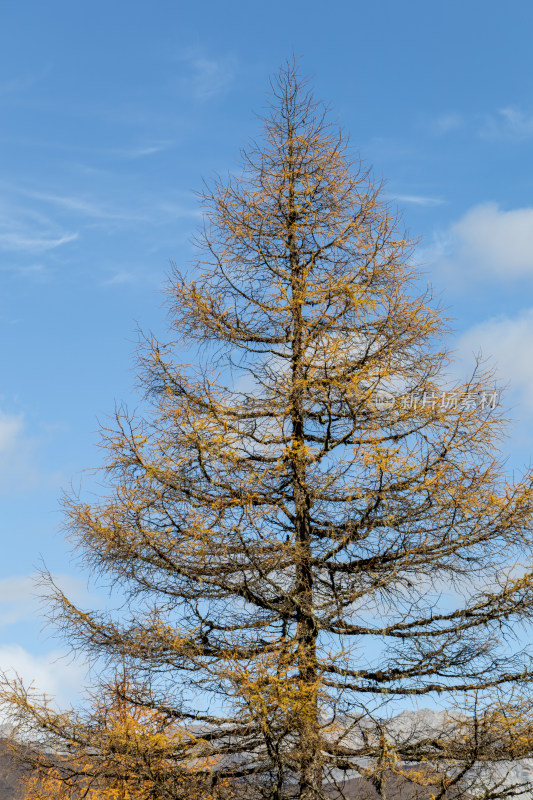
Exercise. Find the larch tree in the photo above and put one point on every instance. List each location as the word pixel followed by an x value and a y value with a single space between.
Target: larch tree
pixel 116 748
pixel 309 523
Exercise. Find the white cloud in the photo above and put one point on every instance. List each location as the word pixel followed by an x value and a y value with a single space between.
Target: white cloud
pixel 54 674
pixel 501 241
pixel 487 241
pixel 507 343
pixel 57 673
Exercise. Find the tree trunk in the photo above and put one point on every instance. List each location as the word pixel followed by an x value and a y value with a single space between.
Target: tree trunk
pixel 309 751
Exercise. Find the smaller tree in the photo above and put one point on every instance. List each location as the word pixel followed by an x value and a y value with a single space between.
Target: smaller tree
pixel 119 750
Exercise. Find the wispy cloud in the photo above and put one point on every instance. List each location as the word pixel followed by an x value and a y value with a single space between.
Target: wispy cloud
pixel 20 465
pixel 144 209
pixel 447 123
pixel 119 279
pixel 37 272
pixel 11 428
pixel 27 229
pixel 417 199
pixel 510 123
pixel 29 244
pixel 20 598
pixel 207 76
pixel 37 221
pixel 84 206
pixel 141 151
pixel 181 210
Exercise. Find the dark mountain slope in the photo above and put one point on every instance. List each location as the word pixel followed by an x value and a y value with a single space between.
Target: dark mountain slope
pixel 10 773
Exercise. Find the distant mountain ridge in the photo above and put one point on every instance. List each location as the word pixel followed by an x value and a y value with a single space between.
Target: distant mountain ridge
pixel 424 722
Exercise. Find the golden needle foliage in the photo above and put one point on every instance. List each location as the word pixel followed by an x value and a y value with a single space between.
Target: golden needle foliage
pixel 117 750
pixel 305 528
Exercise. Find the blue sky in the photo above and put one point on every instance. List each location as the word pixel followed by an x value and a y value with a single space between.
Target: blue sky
pixel 111 115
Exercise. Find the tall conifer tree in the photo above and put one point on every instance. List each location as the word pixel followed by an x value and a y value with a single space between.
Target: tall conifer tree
pixel 309 524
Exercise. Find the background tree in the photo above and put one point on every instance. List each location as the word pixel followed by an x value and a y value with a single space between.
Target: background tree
pixel 311 524
pixel 115 749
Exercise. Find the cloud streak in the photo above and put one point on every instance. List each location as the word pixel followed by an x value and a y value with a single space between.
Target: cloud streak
pixel 133 153
pixel 81 206
pixel 35 221
pixel 447 123
pixel 417 199
pixel 510 123
pixel 86 207
pixel 208 77
pixel 26 229
pixel 21 242
pixel 507 124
